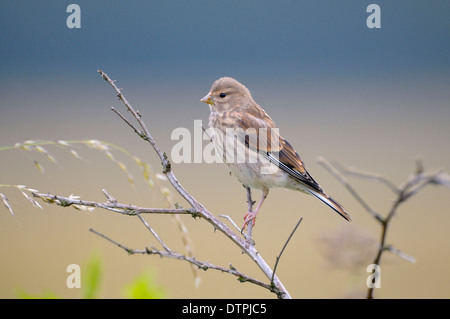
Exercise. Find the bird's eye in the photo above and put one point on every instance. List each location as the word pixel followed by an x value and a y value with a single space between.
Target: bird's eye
pixel 222 95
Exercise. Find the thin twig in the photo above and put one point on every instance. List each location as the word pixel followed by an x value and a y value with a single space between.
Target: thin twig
pixel 126 121
pixel 128 250
pixel 284 247
pixel 419 182
pixel 370 175
pixel 349 187
pixel 109 197
pixel 231 221
pixel 166 248
pixel 400 254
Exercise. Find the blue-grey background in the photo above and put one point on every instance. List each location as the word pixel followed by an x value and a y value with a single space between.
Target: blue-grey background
pixel 376 99
pixel 286 38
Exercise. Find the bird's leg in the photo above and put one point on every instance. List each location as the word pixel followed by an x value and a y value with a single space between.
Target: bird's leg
pixel 251 216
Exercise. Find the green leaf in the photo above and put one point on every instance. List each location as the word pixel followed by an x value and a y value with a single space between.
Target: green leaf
pixel 91 277
pixel 144 287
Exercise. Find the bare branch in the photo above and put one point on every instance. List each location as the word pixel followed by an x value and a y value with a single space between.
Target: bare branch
pixel 200 264
pixel 166 248
pixel 128 250
pixel 136 114
pixel 284 247
pixel 349 187
pixel 400 254
pixel 417 182
pixel 369 175
pixel 231 221
pixel 114 206
pixel 442 179
pixel 109 197
pixel 126 121
pixel 411 187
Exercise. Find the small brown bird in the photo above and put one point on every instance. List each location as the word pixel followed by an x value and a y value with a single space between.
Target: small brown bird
pixel 248 141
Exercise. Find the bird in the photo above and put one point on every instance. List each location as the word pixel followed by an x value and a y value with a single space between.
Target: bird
pixel 248 140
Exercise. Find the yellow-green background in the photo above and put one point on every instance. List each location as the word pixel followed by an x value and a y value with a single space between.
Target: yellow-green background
pixel 372 99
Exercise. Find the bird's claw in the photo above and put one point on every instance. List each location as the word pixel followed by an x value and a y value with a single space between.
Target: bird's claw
pixel 249 217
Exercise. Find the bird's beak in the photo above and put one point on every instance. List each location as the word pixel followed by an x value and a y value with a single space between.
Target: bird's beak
pixel 207 99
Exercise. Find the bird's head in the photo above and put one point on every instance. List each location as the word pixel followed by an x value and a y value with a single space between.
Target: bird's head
pixel 227 94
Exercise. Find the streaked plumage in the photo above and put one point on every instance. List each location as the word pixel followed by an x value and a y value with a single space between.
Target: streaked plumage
pixel 275 162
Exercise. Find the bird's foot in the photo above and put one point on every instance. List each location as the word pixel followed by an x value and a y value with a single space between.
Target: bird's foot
pixel 249 217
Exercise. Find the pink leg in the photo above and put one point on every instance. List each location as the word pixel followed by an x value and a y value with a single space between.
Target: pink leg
pixel 251 216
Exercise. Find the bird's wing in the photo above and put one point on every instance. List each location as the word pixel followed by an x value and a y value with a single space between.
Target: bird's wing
pixel 289 161
pixel 273 146
pixel 283 155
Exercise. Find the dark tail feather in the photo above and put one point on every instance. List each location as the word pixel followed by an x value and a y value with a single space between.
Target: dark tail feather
pixel 332 203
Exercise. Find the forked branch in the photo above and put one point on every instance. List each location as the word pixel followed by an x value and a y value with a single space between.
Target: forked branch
pixel 411 187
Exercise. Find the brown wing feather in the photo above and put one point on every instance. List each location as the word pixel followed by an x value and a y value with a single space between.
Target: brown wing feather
pixel 283 152
pixel 264 129
pixel 296 169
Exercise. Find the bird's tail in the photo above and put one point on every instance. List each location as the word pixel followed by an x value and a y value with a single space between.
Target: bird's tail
pixel 332 203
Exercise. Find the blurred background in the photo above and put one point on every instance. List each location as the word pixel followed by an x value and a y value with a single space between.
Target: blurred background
pixel 374 99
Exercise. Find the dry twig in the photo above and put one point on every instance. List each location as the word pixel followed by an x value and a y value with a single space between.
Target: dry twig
pixel 411 187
